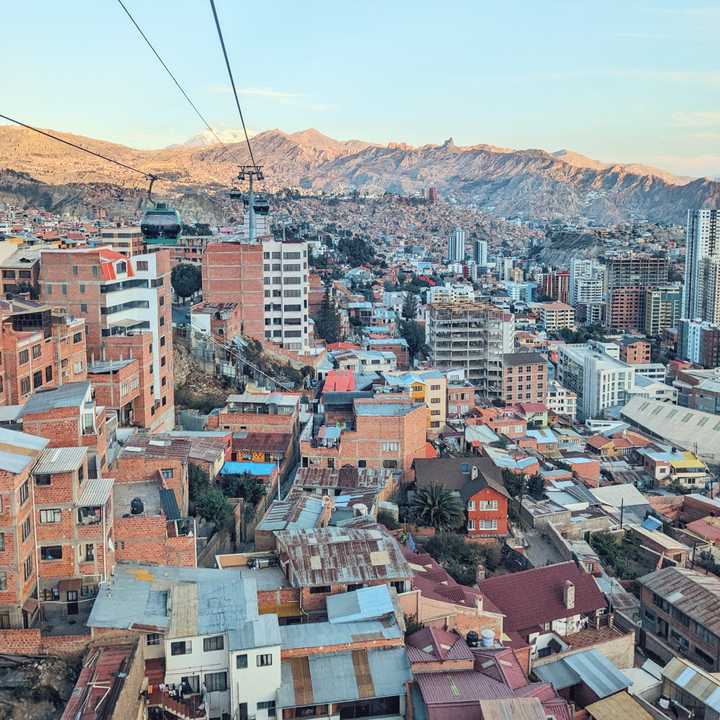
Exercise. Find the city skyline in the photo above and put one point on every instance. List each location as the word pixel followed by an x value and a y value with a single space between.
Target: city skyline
pixel 515 77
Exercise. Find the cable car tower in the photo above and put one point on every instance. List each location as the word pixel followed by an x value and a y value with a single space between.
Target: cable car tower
pixel 251 173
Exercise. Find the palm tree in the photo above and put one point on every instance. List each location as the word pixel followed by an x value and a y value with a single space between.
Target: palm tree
pixel 436 506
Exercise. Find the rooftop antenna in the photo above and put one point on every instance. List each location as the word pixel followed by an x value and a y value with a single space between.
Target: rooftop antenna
pixel 251 173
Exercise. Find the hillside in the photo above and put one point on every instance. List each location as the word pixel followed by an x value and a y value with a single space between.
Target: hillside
pixel 528 183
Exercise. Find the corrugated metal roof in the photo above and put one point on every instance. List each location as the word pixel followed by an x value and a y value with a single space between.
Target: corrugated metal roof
pixel 620 705
pixel 324 556
pixel 252 468
pixel 94 492
pixel 14 462
pixel 317 634
pixel 693 593
pixel 363 604
pixel 459 687
pixel 60 460
pixel 169 504
pixel 18 439
pixel 261 632
pixel 68 395
pixel 694 681
pixel 512 709
pixel 588 667
pixel 338 677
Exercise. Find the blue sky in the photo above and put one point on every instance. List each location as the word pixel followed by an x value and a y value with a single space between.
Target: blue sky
pixel 618 81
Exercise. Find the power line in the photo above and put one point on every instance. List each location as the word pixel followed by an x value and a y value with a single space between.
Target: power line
pixel 232 80
pixel 147 175
pixel 169 72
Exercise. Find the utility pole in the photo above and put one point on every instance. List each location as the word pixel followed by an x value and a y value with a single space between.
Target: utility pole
pixel 251 173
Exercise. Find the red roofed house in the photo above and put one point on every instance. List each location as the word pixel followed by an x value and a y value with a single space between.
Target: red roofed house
pixel 339 381
pixel 559 598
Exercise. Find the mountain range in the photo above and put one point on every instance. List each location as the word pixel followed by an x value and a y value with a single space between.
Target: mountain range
pixel 528 183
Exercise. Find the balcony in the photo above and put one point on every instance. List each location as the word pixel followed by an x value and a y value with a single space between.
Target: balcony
pixel 189 708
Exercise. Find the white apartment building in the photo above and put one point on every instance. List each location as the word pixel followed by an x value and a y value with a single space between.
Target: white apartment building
pixel 601 382
pixel 451 293
pixel 702 247
pixel 206 626
pixel 586 283
pixel 285 269
pixel 456 246
pixel 560 400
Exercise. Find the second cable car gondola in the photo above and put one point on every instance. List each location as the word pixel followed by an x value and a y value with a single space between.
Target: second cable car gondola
pixel 160 224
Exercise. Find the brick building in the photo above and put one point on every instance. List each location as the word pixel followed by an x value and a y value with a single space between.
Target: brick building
pixel 149 457
pixel 626 308
pixel 18 565
pixel 635 350
pixel 69 417
pixel 74 527
pixel 258 411
pixel 39 348
pixel 556 285
pixel 555 315
pixel 524 378
pixel 127 240
pixel 126 304
pixel 117 386
pixel 19 271
pixel 385 434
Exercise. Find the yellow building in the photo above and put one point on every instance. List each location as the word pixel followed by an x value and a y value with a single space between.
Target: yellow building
pixel 428 387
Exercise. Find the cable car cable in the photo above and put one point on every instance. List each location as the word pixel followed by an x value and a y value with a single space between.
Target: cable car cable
pixel 169 72
pixel 147 175
pixel 232 80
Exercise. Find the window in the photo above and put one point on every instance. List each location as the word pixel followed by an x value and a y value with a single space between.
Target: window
pixel 488 525
pixel 63 288
pixel 5 621
pixel 23 357
pixel 471 525
pixel 50 516
pixel 471 505
pixel 181 647
pixel 152 639
pixel 25 529
pixel 216 682
pixel 141 264
pixel 370 708
pixel 167 473
pixel 2 541
pixel 37 379
pixel 77 337
pixel 210 644
pixel 25 386
pixel 3 581
pixel 42 479
pixel 83 307
pixel 264 660
pixel 51 552
pixel 24 492
pixel 36 351
pixel 82 291
pixel 74 269
pixel 268 705
pixel 89 552
pixel 390 464
pixel 241 662
pixel 488 505
pixel 391 446
pixel 48 373
pixel 28 567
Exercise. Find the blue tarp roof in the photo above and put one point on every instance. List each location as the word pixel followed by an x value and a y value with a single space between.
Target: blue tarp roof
pixel 252 468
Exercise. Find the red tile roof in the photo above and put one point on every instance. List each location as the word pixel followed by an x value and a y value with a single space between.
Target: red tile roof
pixel 708 527
pixel 501 665
pixel 435 645
pixel 459 687
pixel 339 381
pixel 535 597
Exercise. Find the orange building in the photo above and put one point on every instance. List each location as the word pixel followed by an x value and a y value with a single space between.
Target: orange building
pixel 39 348
pixel 387 433
pixel 18 566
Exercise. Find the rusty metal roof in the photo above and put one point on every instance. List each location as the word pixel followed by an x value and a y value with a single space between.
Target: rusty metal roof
pixel 324 556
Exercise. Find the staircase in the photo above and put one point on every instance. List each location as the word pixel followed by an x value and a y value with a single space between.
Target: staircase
pixel 181 709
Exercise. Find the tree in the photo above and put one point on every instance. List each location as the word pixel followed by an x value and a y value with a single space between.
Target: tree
pixel 213 506
pixel 327 325
pixel 437 507
pixel 409 307
pixel 245 486
pixel 414 336
pixel 460 558
pixel 186 280
pixel 536 487
pixel 199 482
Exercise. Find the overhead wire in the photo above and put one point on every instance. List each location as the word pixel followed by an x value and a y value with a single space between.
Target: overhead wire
pixel 232 81
pixel 170 73
pixel 147 175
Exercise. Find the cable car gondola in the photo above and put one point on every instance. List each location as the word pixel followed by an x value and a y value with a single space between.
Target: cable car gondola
pixel 161 224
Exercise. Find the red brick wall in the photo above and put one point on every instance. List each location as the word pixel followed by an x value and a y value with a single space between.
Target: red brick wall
pixel 138 467
pixel 233 273
pixel 145 539
pixel 252 422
